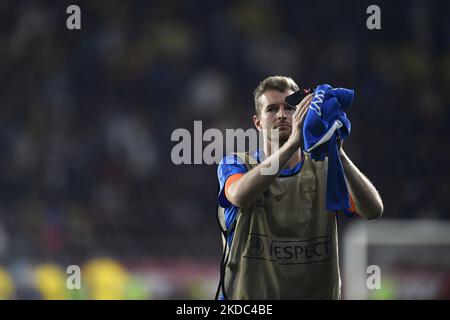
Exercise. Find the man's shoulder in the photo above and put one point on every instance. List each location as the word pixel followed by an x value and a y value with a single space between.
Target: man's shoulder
pixel 232 158
pixel 237 158
pixel 231 164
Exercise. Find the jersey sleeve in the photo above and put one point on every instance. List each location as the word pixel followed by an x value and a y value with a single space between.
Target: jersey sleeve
pixel 230 165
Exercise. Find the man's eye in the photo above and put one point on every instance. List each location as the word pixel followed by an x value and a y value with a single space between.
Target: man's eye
pixel 270 109
pixel 289 108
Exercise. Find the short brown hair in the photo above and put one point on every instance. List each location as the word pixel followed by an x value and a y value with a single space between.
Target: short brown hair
pixel 279 83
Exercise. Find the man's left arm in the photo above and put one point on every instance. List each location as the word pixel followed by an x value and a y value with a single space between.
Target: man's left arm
pixel 367 199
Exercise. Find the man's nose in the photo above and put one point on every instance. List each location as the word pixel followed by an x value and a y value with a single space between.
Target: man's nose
pixel 281 114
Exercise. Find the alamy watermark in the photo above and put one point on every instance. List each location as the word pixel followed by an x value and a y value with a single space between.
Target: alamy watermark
pixel 374 280
pixel 190 150
pixel 73 22
pixel 373 22
pixel 74 279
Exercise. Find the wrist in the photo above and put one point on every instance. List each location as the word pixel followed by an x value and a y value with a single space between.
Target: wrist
pixel 291 146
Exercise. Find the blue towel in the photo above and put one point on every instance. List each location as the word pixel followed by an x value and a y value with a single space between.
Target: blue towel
pixel 324 123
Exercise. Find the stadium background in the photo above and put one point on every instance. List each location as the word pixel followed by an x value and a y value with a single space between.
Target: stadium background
pixel 86 118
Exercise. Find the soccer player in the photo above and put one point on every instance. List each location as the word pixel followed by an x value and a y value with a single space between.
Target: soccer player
pixel 280 241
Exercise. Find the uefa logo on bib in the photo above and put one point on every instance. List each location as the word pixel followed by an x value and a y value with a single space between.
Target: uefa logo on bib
pixel 255 246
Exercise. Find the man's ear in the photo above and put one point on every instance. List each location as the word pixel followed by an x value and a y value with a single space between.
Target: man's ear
pixel 257 122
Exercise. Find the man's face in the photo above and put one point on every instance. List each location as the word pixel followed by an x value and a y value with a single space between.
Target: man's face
pixel 275 114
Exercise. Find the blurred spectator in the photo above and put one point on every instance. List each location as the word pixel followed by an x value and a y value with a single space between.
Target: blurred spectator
pixel 86 118
pixel 51 282
pixel 106 279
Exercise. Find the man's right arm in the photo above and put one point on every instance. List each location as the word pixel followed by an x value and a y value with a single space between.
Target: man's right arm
pixel 247 188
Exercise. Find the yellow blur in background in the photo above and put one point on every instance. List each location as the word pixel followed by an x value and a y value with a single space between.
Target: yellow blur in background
pixel 7 287
pixel 51 282
pixel 108 279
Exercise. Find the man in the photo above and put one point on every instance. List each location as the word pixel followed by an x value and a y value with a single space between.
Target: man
pixel 281 241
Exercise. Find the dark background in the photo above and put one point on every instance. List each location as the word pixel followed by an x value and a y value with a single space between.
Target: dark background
pixel 86 116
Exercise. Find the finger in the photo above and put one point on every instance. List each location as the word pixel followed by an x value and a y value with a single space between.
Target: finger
pixel 298 122
pixel 299 108
pixel 303 113
pixel 302 118
pixel 303 106
pixel 306 100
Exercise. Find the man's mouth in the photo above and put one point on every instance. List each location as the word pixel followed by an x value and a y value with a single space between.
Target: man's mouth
pixel 282 127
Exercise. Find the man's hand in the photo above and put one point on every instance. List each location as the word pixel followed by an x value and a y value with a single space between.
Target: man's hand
pixel 298 118
pixel 368 202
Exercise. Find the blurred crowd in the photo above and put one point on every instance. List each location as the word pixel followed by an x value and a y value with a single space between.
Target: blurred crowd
pixel 86 116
